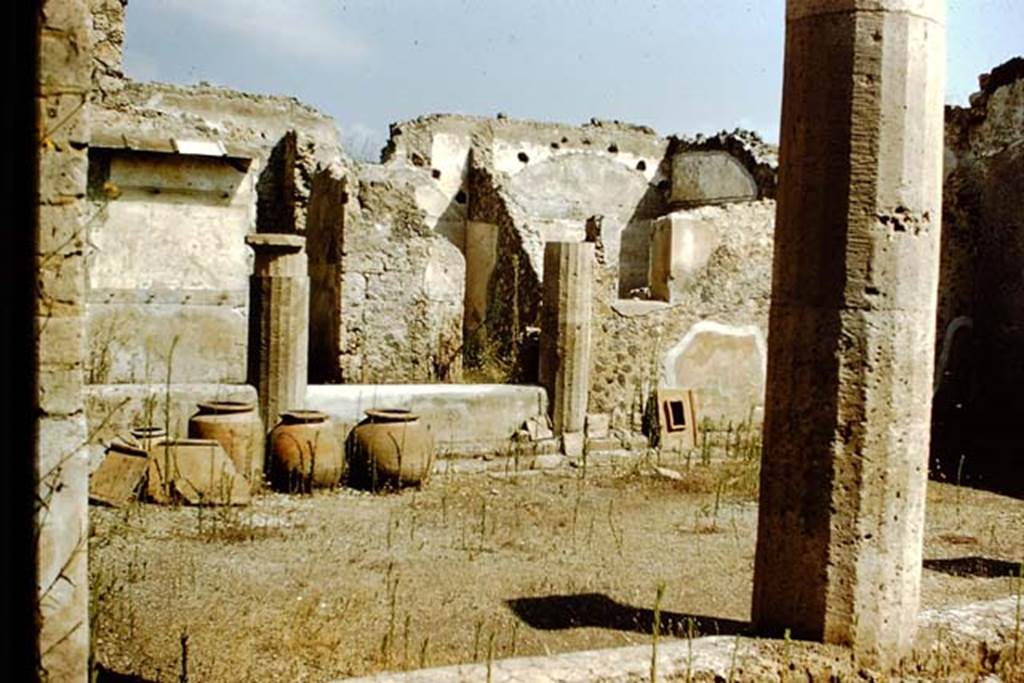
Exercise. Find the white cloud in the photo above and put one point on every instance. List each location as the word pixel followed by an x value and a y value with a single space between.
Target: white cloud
pixel 303 29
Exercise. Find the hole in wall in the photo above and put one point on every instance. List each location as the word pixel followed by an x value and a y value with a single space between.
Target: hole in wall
pixel 613 148
pixel 435 173
pixel 460 197
pixel 586 141
pixel 565 140
pixel 641 165
pixel 523 157
pixel 555 145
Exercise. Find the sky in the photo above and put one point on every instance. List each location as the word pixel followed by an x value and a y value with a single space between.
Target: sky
pixel 679 66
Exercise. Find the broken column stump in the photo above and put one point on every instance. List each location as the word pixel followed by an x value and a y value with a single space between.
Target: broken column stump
pixel 567 309
pixel 852 324
pixel 278 323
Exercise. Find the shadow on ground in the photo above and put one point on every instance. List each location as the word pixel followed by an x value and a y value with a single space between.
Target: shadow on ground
pixel 558 612
pixel 974 566
pixel 104 675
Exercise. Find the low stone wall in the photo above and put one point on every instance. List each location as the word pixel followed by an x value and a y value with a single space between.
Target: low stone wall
pixel 466 419
pixel 113 409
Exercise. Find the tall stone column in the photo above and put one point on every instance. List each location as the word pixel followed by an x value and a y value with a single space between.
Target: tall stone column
pixel 278 323
pixel 851 325
pixel 567 309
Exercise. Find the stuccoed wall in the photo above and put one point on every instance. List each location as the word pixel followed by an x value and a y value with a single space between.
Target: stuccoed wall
pixel 710 338
pixel 980 333
pixel 168 265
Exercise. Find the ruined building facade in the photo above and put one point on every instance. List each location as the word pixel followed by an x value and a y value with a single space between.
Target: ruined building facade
pixel 429 267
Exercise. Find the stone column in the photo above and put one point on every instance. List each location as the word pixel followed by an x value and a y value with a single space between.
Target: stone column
pixel 278 323
pixel 852 323
pixel 62 488
pixel 566 313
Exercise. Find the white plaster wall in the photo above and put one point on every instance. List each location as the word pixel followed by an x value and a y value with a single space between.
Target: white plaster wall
pixel 725 364
pixel 506 156
pixel 177 223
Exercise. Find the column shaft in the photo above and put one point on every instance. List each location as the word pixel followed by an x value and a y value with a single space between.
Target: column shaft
pixel 566 314
pixel 851 325
pixel 278 324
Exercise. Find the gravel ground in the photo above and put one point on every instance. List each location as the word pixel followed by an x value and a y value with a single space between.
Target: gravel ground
pixel 345 583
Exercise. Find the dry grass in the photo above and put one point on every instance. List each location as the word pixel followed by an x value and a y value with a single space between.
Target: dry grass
pixel 471 568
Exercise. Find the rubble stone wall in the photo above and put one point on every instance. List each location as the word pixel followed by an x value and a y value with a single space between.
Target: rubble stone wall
pixel 710 338
pixel 402 286
pixel 980 333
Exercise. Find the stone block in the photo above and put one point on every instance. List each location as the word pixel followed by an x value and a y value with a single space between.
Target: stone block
pixel 196 471
pixel 598 425
pixel 353 288
pixel 119 477
pixel 538 428
pixel 64 61
pixel 61 286
pixel 61 231
pixel 62 15
pixel 62 174
pixel 61 340
pixel 572 444
pixel 60 389
pixel 709 178
pixel 63 118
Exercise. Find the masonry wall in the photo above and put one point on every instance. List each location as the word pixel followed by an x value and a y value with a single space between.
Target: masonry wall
pixel 980 334
pixel 711 337
pixel 168 265
pixel 402 286
pixel 526 183
pixel 61 488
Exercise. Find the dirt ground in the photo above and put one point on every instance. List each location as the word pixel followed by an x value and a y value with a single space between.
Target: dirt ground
pixel 345 583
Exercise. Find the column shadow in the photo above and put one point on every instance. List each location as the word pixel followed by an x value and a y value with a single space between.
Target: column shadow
pixel 974 566
pixel 560 612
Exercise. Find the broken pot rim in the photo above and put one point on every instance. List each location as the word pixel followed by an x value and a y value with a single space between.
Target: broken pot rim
pixel 225 407
pixel 297 416
pixel 147 431
pixel 391 415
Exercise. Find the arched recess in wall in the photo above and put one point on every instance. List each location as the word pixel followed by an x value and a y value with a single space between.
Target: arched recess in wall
pixel 558 194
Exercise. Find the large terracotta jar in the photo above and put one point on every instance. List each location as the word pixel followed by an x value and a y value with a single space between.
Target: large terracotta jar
pixel 237 427
pixel 391 448
pixel 304 453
